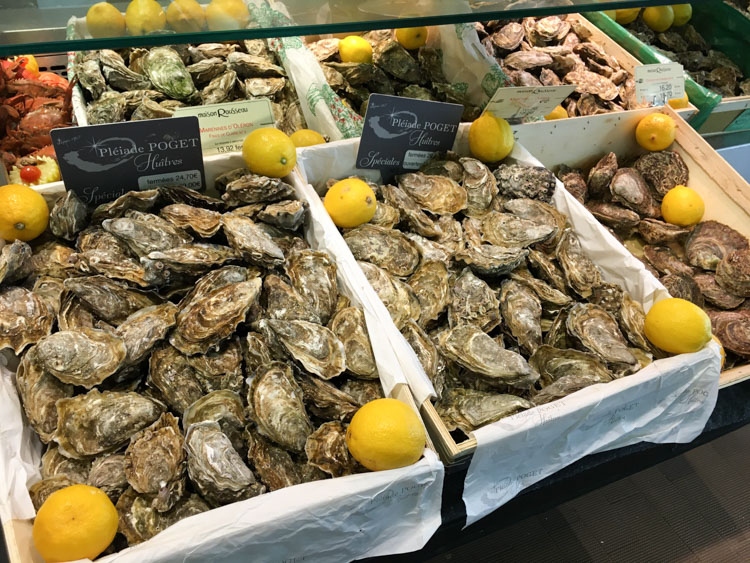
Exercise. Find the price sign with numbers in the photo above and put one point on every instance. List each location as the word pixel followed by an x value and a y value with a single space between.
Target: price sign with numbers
pixel 657 84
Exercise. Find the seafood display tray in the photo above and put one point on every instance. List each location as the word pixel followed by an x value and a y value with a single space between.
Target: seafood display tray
pixel 375 500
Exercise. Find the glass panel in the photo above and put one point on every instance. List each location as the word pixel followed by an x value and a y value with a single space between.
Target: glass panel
pixel 41 26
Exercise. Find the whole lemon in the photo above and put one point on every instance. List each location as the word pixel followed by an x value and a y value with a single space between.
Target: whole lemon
pixel 269 152
pixel 227 14
pixel 658 18
pixel 350 203
pixel 682 13
pixel 682 206
pixel 306 138
pixel 411 37
pixel 655 132
pixel 677 326
pixel 76 522
pixel 104 20
pixel 186 16
pixel 385 434
pixel 627 15
pixel 679 103
pixel 721 350
pixel 144 16
pixel 490 138
pixel 355 49
pixel 558 113
pixel 23 213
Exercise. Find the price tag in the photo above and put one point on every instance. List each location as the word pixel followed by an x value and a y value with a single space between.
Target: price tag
pixel 102 162
pixel 224 126
pixel 656 84
pixel 527 102
pixel 401 134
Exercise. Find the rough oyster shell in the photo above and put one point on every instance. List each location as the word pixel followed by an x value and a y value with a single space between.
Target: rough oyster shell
pixel 54 463
pixel 588 82
pixel 437 194
pixel 110 300
pixel 362 390
pixel 315 347
pixel 222 406
pixel 145 328
pixel 350 327
pixel 391 57
pixel 51 290
pixel 546 293
pixel 480 185
pixel 397 297
pixel 102 253
pixel 732 328
pixel 409 209
pixel 569 384
pixel 15 262
pixel 631 318
pixel 594 330
pixel 97 423
pixel 253 66
pixel 526 60
pixel 506 229
pixel 431 285
pixel 554 364
pixel 250 241
pixel 386 216
pixel 387 248
pixel 684 287
pixel 284 214
pixel 205 70
pixel 274 465
pixel 173 377
pixel 144 233
pixel 490 260
pixel 220 89
pixel 108 474
pixel 509 36
pixel 601 175
pixel 520 181
pixel 654 231
pixel 522 312
pixel 427 354
pixel 220 369
pixel 168 74
pixel 189 259
pixel 41 490
pixel 468 409
pixel 473 302
pixel 629 188
pixel 665 261
pixel 733 273
pixel 615 216
pixel 68 216
pixel 313 275
pixel 327 401
pixel 284 302
pixel 540 213
pixel 580 272
pixel 25 318
pixel 543 266
pixel 251 188
pixel 715 294
pixel 710 242
pixel 326 449
pixel 662 170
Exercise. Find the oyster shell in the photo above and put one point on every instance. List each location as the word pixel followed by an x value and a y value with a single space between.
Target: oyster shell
pixel 710 242
pixel 608 296
pixel 284 302
pixel 600 176
pixel 25 318
pixel 350 327
pixel 326 401
pixel 387 248
pixel 168 74
pixel 472 349
pixel 395 295
pixel 390 56
pixel 251 242
pixel 631 318
pixel 684 287
pixel 108 474
pixel 41 490
pixel 554 364
pixel 733 273
pixel 103 253
pixel 97 423
pixel 110 300
pixel 362 391
pixel 480 185
pixel 520 181
pixel 543 266
pixel 522 312
pixel 215 468
pixel 468 409
pixel 155 462
pixel 654 231
pixel 594 330
pixel 54 260
pixel 205 70
pixel 253 66
pixel 437 194
pixel 274 465
pixel 408 209
pixel 490 260
pixel 506 229
pixel 540 213
pixel 68 217
pixel 732 328
pixel 580 272
pixel 15 262
pixel 546 293
pixel 222 406
pixel 313 275
pixel 588 82
pixel 49 289
pixel 144 233
pixel 143 201
pixel 109 108
pixel 54 463
pixel 220 369
pixel 190 259
pixel 288 214
pixel 473 302
pixel 629 188
pixel 665 261
pixel 615 216
pixel 715 294
pixel 174 378
pixel 386 215
pixel 326 449
pixel 145 328
pixel 84 357
pixel 662 170
pixel 219 89
pixel 315 347
pixel 251 188
pixel 569 384
pixel 509 36
pixel 276 402
pixel 431 285
pixel 427 354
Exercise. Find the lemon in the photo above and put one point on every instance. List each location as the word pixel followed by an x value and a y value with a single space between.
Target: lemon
pixel 558 113
pixel 104 20
pixel 227 14
pixel 306 138
pixel 350 203
pixel 186 16
pixel 611 13
pixel 677 326
pixel 679 103
pixel 490 138
pixel 627 15
pixel 23 213
pixel 655 132
pixel 682 206
pixel 385 434
pixel 721 350
pixel 144 16
pixel 355 49
pixel 682 13
pixel 269 152
pixel 411 37
pixel 76 522
pixel 658 18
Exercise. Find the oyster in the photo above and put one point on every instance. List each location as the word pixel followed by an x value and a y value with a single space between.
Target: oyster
pixel 522 312
pixel 277 406
pixel 253 66
pixel 594 330
pixel 473 302
pixel 205 70
pixel 145 328
pixel 580 272
pixel 684 287
pixel 74 315
pixel 588 82
pixel 437 194
pixel 665 261
pixel 54 463
pixel 654 231
pixel 326 449
pixel 83 357
pixel 616 216
pixel 480 185
pixel 173 378
pixel 509 37
pixel 662 170
pixel 41 490
pixel 520 181
pixel 144 233
pixel 427 354
pixel 326 401
pixel 54 260
pixel 468 409
pixel 251 242
pixel 710 242
pixel 546 293
pixel 542 214
pixel 288 214
pixel 431 285
pixel 609 297
pixel 398 298
pixel 220 369
pixel 15 262
pixel 274 465
pixel 219 89
pixel 190 259
pixel 631 318
pixel 526 60
pixel 215 467
pixel 97 423
pixel 715 294
pixel 68 216
pixel 168 74
pixel 251 188
pixel 313 275
pixel 49 289
pixel 362 391
pixel 138 201
pixel 490 260
pixel 284 302
pixel 475 351
pixel 732 328
pixel 629 188
pixel 315 347
pixel 388 248
pixel 386 216
pixel 569 384
pixel 25 318
pixel 554 364
pixel 224 407
pixel 543 266
pixel 600 176
pixel 350 327
pixel 149 109
pixel 109 108
pixel 108 474
pixel 155 462
pixel 733 273
pixel 89 75
pixel 103 253
pixel 505 229
pixel 407 208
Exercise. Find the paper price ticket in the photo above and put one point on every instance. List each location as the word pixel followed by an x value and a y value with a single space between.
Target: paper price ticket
pixel 659 83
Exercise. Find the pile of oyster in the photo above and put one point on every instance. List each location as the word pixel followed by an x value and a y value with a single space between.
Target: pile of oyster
pixel 491 288
pixel 138 83
pixel 182 352
pixel 706 66
pixel 394 70
pixel 708 264
pixel 558 50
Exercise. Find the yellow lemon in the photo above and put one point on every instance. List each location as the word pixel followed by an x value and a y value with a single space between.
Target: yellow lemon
pixel 611 13
pixel 412 37
pixel 269 152
pixel 227 14
pixel 658 18
pixel 655 132
pixel 385 434
pixel 29 63
pixel 144 16
pixel 721 350
pixel 677 326
pixel 76 522
pixel 682 13
pixel 350 203
pixel 490 138
pixel 186 16
pixel 558 113
pixel 679 103
pixel 355 49
pixel 682 206
pixel 23 213
pixel 104 20
pixel 306 138
pixel 627 15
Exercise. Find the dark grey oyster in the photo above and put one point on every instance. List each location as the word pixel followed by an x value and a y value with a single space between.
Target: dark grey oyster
pixel 68 217
pixel 15 262
pixel 288 214
pixel 662 170
pixel 250 241
pixel 569 384
pixel 274 466
pixel 710 242
pixel 387 248
pixel 506 229
pixel 520 181
pixel 110 300
pixel 173 378
pixel 108 474
pixel 245 188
